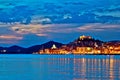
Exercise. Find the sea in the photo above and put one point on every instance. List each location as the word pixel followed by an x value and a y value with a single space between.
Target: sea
pixel 59 67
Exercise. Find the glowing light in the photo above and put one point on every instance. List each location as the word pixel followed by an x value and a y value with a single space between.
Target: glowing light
pixel 54 46
pixel 98 51
pixel 88 48
pixel 85 37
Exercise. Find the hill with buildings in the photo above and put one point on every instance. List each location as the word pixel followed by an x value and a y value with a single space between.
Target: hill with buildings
pixel 46 45
pixel 85 41
pixel 85 45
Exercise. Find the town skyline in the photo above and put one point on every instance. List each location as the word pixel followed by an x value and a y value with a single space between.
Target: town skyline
pixel 81 45
pixel 84 45
pixel 62 42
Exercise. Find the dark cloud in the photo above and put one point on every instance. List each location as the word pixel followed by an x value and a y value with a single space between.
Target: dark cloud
pixel 108 19
pixel 112 8
pixel 23 13
pixel 85 18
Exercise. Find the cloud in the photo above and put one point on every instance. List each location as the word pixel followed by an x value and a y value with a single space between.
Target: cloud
pixel 107 13
pixel 10 37
pixel 50 29
pixel 25 11
pixel 108 19
pixel 40 34
pixel 112 10
pixel 43 30
pixel 99 27
pixel 40 19
pixel 4 25
pixel 26 29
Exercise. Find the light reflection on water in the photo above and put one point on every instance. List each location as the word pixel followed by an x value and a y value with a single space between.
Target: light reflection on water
pixel 59 67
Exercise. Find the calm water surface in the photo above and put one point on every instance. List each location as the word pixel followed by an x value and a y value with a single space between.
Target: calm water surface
pixel 59 67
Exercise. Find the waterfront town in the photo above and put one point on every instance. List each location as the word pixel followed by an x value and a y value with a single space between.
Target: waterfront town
pixel 81 45
pixel 84 45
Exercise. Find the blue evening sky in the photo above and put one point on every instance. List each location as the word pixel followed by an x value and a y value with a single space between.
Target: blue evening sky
pixel 30 22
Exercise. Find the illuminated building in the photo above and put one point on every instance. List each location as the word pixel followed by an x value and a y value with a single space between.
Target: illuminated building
pixel 54 46
pixel 85 37
pixel 83 50
pixel 4 51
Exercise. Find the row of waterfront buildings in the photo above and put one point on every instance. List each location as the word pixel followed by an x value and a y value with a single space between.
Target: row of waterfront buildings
pixel 82 50
pixel 104 48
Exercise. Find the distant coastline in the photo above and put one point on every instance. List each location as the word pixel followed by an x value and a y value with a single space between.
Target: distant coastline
pixel 83 45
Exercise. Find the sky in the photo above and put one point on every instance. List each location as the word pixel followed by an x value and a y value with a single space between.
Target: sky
pixel 32 22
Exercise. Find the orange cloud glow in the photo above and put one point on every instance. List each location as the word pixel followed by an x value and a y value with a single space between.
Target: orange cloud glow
pixel 10 37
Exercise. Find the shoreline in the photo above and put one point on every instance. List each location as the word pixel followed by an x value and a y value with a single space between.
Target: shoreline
pixel 56 54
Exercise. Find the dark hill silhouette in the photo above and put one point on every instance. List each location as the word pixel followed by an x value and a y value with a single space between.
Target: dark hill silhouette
pixel 15 49
pixel 46 45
